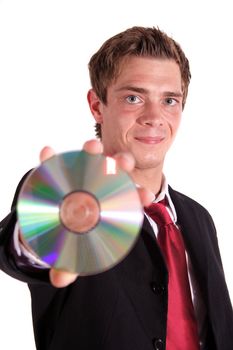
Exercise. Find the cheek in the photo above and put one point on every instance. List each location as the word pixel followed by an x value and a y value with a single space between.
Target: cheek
pixel 111 133
pixel 120 126
pixel 174 123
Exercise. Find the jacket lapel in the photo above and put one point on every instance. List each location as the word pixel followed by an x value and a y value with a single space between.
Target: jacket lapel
pixel 137 273
pixel 195 234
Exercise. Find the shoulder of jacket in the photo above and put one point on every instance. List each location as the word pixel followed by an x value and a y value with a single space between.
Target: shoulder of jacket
pixel 181 200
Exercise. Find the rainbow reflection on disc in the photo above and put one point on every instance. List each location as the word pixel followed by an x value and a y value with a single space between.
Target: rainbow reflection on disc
pixel 77 212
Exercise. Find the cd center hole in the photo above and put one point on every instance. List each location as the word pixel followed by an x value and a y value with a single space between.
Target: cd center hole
pixel 79 212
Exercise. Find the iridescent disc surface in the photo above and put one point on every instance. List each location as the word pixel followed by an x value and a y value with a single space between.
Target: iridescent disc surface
pixel 77 212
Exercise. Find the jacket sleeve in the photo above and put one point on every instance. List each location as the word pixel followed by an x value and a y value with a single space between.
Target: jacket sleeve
pixel 11 263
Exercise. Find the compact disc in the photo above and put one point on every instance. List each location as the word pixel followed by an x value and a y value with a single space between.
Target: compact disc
pixel 78 212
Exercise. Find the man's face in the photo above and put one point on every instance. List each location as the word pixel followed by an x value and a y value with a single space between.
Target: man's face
pixel 143 110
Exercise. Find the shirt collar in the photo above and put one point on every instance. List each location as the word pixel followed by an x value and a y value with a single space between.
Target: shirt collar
pixel 164 193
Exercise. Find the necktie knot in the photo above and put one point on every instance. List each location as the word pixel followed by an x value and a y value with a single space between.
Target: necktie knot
pixel 159 213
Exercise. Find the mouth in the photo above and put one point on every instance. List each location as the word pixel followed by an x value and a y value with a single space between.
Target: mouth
pixel 150 140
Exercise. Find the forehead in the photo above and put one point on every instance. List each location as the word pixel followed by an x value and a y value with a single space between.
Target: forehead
pixel 147 70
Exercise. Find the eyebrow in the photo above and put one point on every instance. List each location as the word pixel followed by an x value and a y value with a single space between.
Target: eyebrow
pixel 145 91
pixel 173 93
pixel 132 88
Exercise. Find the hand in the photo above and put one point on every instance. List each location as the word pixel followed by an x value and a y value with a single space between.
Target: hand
pixel 124 161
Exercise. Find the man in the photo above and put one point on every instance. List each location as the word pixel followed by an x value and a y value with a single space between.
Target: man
pixel 140 81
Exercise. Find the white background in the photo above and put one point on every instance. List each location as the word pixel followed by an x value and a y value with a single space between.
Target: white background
pixel 44 50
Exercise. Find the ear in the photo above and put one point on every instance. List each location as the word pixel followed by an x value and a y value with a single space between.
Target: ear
pixel 95 105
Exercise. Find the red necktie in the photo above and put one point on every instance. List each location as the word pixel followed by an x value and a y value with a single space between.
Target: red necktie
pixel 181 323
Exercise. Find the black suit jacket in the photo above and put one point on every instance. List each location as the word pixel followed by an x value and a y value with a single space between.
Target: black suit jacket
pixel 126 306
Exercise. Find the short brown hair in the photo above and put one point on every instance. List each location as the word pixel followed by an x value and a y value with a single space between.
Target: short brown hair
pixel 104 65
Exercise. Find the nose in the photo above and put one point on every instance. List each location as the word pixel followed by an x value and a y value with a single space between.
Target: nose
pixel 151 115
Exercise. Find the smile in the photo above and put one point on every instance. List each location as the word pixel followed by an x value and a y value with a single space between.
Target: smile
pixel 149 139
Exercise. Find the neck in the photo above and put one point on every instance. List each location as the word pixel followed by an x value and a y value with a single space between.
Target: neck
pixel 151 179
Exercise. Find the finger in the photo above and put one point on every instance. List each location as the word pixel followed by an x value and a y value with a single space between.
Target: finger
pixel 93 147
pixel 60 279
pixel 46 153
pixel 125 161
pixel 146 196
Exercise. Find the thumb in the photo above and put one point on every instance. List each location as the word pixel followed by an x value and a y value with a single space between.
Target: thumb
pixel 46 153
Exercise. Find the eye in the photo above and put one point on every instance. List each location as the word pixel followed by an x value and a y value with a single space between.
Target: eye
pixel 170 101
pixel 133 99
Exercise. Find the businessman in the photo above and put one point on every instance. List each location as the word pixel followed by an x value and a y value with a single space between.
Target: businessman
pixel 170 291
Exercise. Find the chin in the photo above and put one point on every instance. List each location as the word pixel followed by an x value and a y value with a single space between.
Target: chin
pixel 148 163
